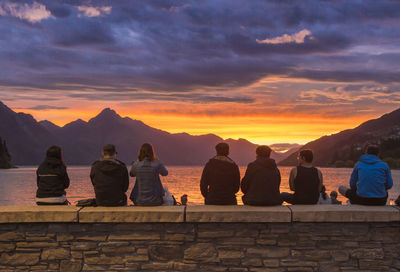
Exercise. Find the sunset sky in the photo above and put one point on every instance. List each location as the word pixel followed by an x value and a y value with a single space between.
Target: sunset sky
pixel 266 71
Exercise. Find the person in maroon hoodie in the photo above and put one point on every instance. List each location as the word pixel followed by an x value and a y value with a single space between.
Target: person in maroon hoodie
pixel 220 179
pixel 260 184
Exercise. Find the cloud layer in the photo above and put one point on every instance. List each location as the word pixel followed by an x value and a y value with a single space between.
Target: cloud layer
pixel 208 58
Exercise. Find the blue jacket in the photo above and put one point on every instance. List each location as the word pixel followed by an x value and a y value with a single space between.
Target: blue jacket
pixel 371 177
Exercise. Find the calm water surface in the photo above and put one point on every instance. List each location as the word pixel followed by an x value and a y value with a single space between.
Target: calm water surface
pixel 18 186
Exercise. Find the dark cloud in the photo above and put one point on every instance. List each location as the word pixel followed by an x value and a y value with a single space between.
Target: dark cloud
pixel 181 46
pixel 46 107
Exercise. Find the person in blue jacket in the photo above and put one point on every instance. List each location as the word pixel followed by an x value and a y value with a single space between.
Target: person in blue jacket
pixel 370 180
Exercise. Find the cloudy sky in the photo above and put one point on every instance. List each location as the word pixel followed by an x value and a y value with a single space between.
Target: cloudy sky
pixel 267 71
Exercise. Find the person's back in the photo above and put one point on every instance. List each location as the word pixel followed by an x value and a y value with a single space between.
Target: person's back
pixel 370 180
pixel 305 180
pixel 110 179
pixel 260 184
pixel 148 190
pixel 220 179
pixel 370 177
pixel 306 185
pixel 52 179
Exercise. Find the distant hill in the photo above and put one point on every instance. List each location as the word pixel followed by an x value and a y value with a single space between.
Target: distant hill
pixel 344 148
pixel 82 141
pixel 5 158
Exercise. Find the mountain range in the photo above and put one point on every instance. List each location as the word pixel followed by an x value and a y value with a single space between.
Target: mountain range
pixel 344 148
pixel 81 141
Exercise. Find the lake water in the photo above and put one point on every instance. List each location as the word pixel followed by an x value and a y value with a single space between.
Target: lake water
pixel 18 186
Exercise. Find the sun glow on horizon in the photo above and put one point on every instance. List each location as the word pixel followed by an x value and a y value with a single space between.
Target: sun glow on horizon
pixel 258 129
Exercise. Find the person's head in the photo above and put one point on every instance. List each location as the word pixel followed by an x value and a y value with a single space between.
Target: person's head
pixel 222 149
pixel 372 149
pixel 146 152
pixel 109 151
pixel 334 194
pixel 54 152
pixel 305 156
pixel 263 151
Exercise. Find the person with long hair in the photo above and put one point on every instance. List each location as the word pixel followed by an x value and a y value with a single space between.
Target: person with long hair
pixel 148 190
pixel 52 179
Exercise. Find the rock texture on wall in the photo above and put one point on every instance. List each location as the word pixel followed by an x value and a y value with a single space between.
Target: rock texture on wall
pixel 349 244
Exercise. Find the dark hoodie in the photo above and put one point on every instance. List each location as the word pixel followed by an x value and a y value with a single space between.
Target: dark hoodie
pixel 260 184
pixel 110 180
pixel 52 178
pixel 220 181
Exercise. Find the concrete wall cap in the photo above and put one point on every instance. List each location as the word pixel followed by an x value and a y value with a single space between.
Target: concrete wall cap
pixel 133 214
pixel 236 213
pixel 338 213
pixel 30 214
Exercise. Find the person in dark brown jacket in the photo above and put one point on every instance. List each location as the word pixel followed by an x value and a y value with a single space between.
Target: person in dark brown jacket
pixel 220 180
pixel 260 184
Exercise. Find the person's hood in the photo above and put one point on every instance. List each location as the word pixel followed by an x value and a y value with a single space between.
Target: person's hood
pixel 369 159
pixel 222 162
pixel 108 165
pixel 266 162
pixel 53 162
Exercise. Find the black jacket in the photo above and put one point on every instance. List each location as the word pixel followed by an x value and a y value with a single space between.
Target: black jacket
pixel 110 180
pixel 52 178
pixel 220 181
pixel 260 184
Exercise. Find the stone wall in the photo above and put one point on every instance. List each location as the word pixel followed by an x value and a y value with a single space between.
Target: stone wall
pixel 201 238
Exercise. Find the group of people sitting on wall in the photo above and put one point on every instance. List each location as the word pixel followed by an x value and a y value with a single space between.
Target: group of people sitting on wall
pixel 220 180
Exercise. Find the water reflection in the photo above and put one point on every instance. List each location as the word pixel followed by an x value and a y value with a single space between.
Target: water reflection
pixel 18 186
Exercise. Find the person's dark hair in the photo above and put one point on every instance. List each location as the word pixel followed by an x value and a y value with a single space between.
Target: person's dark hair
pixel 372 149
pixel 263 151
pixel 109 150
pixel 334 194
pixel 222 149
pixel 54 152
pixel 146 152
pixel 323 192
pixel 307 155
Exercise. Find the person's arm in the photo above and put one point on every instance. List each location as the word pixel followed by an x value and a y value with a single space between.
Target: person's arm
pixel 389 180
pixel 37 178
pixel 279 177
pixel 66 180
pixel 132 173
pixel 236 184
pixel 354 178
pixel 292 177
pixel 162 170
pixel 92 174
pixel 204 181
pixel 125 179
pixel 321 180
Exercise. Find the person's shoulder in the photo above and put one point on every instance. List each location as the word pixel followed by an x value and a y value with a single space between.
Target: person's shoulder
pixel 121 162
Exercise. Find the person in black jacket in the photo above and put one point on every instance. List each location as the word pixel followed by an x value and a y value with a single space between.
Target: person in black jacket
pixel 220 179
pixel 52 179
pixel 260 184
pixel 110 179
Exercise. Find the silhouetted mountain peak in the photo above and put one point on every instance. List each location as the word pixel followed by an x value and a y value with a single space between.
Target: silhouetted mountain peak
pixel 77 123
pixel 49 125
pixel 106 115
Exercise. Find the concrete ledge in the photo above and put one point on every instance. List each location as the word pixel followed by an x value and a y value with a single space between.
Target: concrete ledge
pixel 173 214
pixel 213 213
pixel 30 214
pixel 337 213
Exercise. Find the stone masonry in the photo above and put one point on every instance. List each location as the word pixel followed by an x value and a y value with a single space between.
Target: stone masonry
pixel 196 244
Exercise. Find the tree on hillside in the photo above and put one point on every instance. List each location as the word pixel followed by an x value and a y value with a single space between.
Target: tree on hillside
pixel 5 158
